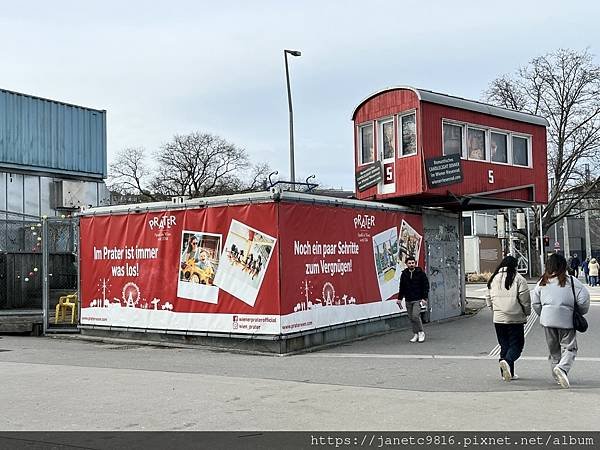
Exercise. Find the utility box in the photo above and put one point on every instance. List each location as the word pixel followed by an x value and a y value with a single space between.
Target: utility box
pixel 482 254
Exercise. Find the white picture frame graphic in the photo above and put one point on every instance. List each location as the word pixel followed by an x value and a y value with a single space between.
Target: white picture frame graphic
pixel 244 261
pixel 387 268
pixel 198 268
pixel 409 243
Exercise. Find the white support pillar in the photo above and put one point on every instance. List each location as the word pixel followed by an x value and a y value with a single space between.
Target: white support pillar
pixel 529 252
pixel 556 226
pixel 566 237
pixel 588 239
pixel 541 243
pixel 511 243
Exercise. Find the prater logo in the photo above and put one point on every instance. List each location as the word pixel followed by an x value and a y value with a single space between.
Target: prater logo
pixel 162 222
pixel 364 221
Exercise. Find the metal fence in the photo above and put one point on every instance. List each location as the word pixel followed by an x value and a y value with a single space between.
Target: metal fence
pixel 38 266
pixel 60 239
pixel 21 281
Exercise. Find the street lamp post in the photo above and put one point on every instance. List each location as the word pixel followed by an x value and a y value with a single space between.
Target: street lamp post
pixel 287 78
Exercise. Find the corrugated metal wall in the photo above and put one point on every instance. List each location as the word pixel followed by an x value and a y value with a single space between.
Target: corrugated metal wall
pixel 44 135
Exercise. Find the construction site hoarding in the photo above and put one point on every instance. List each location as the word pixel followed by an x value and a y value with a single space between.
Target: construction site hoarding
pixel 264 267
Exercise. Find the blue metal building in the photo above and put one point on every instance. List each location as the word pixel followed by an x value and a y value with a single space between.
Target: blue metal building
pixel 52 156
pixel 52 163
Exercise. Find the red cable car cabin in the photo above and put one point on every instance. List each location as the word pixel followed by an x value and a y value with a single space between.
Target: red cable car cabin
pixel 421 147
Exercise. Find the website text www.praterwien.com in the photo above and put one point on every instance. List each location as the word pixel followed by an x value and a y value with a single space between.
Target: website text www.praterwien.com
pixel 455 440
pixel 296 325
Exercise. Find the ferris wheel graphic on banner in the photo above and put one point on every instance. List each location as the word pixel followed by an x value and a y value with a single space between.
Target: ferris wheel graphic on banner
pixel 131 294
pixel 328 294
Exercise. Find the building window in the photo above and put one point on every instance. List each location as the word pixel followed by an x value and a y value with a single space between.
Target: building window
pixel 467 228
pixel 498 147
pixel 485 144
pixel 385 139
pixel 476 143
pixel 520 151
pixel 453 139
pixel 367 155
pixel 408 135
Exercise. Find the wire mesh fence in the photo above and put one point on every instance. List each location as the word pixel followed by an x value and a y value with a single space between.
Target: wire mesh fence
pixel 25 245
pixel 21 281
pixel 60 248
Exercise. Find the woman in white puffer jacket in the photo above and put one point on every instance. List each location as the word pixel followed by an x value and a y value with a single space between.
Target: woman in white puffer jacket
pixel 594 268
pixel 508 297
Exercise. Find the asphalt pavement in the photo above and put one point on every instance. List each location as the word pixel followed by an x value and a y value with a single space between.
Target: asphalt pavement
pixel 449 382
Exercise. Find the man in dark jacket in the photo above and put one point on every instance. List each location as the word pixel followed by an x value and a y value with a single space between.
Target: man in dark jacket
pixel 414 288
pixel 575 263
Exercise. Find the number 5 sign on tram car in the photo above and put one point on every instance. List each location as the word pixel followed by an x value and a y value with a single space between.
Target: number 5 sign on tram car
pixel 388 173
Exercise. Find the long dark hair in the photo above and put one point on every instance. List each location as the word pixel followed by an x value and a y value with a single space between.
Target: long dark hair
pixel 556 266
pixel 189 249
pixel 510 262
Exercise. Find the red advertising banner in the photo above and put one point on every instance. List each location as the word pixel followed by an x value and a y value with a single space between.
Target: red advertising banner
pixel 263 268
pixel 342 264
pixel 210 269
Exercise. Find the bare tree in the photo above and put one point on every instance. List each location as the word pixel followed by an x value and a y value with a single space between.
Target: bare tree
pixel 195 165
pixel 563 87
pixel 130 174
pixel 256 181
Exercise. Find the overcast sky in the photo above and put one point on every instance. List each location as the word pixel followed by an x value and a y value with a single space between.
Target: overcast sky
pixel 161 68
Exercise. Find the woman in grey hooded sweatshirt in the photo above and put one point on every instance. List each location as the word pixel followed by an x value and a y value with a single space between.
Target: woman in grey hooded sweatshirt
pixel 553 299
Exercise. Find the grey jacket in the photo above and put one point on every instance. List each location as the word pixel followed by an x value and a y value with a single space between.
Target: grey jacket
pixel 554 304
pixel 512 305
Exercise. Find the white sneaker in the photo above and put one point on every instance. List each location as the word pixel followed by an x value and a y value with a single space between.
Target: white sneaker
pixel 505 370
pixel 421 336
pixel 515 377
pixel 561 377
pixel 414 338
pixel 555 377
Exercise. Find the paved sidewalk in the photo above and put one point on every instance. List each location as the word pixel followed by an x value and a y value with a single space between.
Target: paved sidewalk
pixel 449 382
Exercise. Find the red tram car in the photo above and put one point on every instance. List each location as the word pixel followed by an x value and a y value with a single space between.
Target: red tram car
pixel 415 146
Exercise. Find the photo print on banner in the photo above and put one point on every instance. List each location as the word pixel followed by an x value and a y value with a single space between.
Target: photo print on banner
pixel 198 264
pixel 385 252
pixel 410 243
pixel 245 259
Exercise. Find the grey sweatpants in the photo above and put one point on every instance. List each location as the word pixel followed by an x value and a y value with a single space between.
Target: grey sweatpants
pixel 414 314
pixel 562 344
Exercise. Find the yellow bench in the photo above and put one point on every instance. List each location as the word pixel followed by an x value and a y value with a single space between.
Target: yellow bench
pixel 65 302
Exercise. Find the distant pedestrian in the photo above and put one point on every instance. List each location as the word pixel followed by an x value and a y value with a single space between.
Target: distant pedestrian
pixel 585 268
pixel 553 299
pixel 574 265
pixel 414 289
pixel 508 297
pixel 594 268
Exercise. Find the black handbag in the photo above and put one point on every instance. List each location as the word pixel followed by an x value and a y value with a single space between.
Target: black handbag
pixel 579 322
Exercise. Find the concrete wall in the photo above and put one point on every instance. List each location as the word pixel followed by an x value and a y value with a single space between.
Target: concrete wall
pixel 443 263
